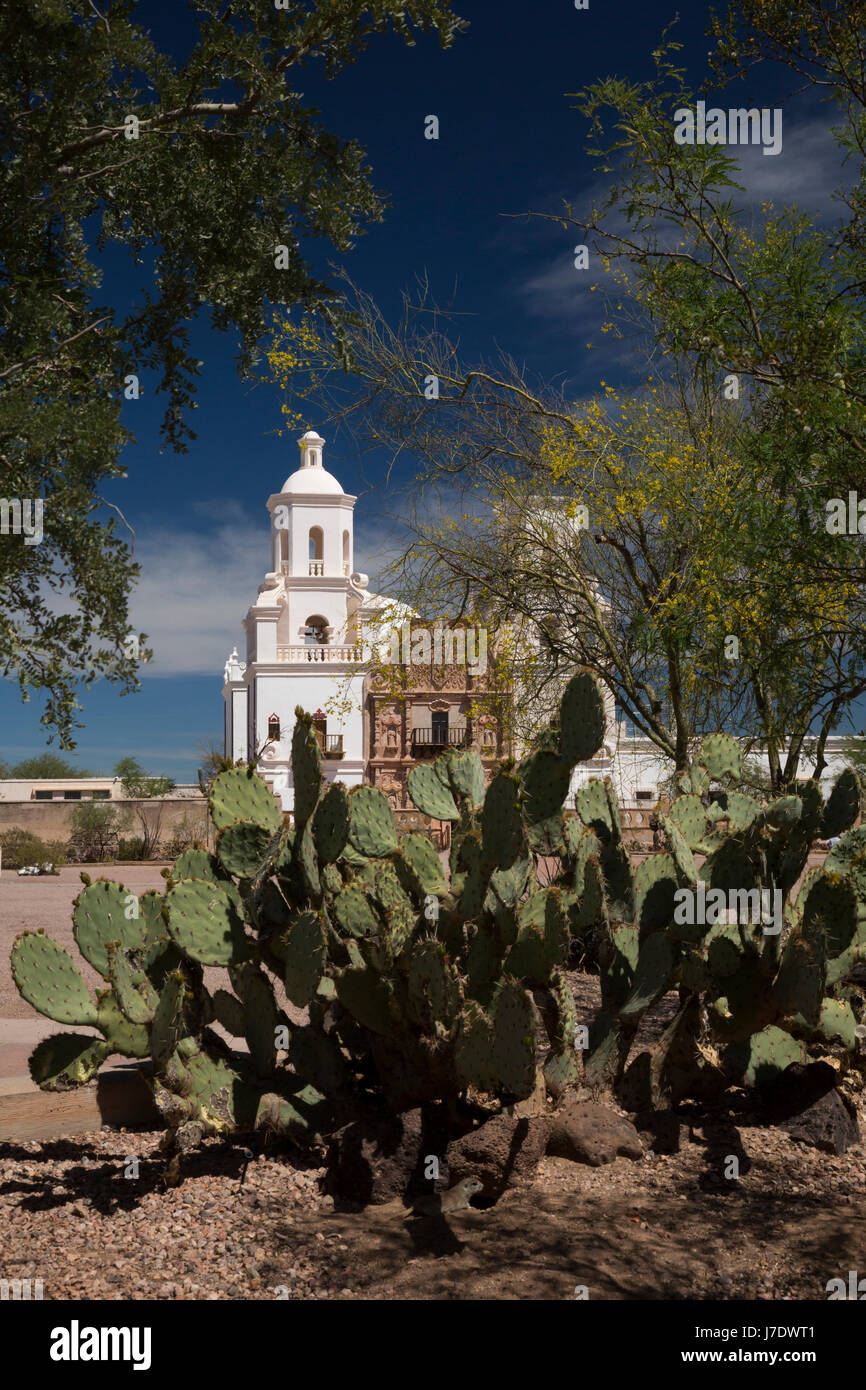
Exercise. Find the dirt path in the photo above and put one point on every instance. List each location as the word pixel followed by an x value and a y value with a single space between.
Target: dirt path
pixel 26 904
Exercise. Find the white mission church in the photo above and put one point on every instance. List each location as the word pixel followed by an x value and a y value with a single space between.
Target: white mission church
pixel 311 627
pixel 305 633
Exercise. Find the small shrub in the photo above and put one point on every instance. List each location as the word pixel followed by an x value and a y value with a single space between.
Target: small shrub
pixel 22 847
pixel 134 848
pixel 56 852
pixel 95 830
pixel 187 834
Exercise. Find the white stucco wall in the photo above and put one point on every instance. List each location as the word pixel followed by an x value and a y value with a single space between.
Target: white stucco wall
pixel 279 692
pixel 637 765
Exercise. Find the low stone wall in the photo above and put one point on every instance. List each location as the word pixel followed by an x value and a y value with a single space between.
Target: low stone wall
pixel 52 820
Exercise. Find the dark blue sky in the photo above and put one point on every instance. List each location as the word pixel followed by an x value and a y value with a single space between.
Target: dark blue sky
pixel 510 141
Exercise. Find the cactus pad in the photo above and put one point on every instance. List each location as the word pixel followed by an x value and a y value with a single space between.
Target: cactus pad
pixel 241 847
pixel 722 757
pixel 545 778
pixel 594 809
pixel 434 994
pixel 463 772
pixel 129 1039
pixel 688 815
pixel 761 1057
pixel 655 883
pixel 424 866
pixel 66 1060
pixel 204 922
pixel 371 822
pixel 353 911
pixel 135 995
pixel 99 915
pixel 501 823
pixel 47 977
pixel 305 945
pixel 582 719
pixel 430 795
pixel 474 1048
pixel 196 863
pixel 843 805
pixel 513 1053
pixel 229 1012
pixel 241 795
pixel 366 996
pixel 306 767
pixel 331 824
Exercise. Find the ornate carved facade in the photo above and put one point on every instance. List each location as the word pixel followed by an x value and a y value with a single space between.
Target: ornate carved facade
pixel 415 711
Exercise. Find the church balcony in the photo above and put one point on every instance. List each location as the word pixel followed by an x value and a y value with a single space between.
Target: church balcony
pixel 352 653
pixel 433 740
pixel 333 747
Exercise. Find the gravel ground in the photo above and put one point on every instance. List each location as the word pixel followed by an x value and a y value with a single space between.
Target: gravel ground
pixel 669 1227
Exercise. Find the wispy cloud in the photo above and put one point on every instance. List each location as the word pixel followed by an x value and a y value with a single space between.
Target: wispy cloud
pixel 195 587
pixel 806 172
pixel 197 584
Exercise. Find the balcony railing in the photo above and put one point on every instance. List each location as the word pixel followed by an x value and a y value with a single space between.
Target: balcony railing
pixel 333 746
pixel 317 568
pixel 318 653
pixel 439 738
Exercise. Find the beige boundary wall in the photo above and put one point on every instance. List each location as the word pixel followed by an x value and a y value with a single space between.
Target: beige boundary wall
pixel 52 820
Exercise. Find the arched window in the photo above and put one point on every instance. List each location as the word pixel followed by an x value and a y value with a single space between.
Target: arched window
pixel 274 728
pixel 346 563
pixel 320 729
pixel 314 631
pixel 317 551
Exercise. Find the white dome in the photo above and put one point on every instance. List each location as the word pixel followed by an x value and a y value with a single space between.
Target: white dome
pixel 311 477
pixel 307 480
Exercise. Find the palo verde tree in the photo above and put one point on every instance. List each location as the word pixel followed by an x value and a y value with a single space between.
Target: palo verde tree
pixel 632 536
pixel 753 311
pixel 209 172
pixel 767 304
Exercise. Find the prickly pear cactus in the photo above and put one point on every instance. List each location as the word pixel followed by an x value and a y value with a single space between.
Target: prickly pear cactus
pixel 417 989
pixel 751 962
pixel 421 988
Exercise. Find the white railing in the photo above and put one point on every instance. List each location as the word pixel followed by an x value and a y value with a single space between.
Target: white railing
pixel 351 653
pixel 317 568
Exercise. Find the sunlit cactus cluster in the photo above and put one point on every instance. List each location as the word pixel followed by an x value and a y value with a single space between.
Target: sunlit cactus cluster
pixel 405 987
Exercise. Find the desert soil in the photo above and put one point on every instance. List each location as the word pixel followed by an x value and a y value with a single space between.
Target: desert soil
pixel 91 1222
pixel 667 1227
